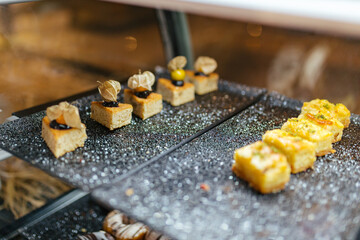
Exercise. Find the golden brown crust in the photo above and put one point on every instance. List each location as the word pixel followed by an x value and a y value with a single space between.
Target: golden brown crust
pixel 203 84
pixel 200 78
pixel 62 141
pixel 175 95
pixel 261 189
pixel 324 152
pixel 168 84
pixel 152 97
pixel 111 117
pixel 121 107
pixel 346 123
pixel 144 107
pixel 55 132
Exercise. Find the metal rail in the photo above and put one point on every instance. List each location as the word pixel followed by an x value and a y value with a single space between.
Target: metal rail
pixel 326 16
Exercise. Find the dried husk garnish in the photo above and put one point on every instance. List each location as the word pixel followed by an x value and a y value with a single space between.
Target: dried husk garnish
pixel 178 62
pixel 25 188
pixel 68 111
pixel 205 65
pixel 144 80
pixel 109 90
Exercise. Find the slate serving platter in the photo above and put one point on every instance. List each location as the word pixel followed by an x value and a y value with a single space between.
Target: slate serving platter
pixel 170 194
pixel 110 154
pixel 79 218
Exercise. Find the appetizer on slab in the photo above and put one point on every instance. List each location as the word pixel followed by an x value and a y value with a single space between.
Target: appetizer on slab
pixel 62 129
pixel 330 124
pixel 145 102
pixel 264 167
pixel 176 91
pixel 311 132
pixel 327 109
pixel 299 152
pixel 204 78
pixel 110 112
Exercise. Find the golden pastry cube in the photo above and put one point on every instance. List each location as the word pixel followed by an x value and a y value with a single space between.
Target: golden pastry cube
pixel 203 83
pixel 330 124
pixel 263 166
pixel 299 152
pixel 144 107
pixel 61 141
pixel 175 95
pixel 111 117
pixel 311 132
pixel 329 110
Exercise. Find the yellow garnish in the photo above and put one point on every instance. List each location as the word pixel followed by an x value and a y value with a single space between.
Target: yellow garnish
pixel 178 75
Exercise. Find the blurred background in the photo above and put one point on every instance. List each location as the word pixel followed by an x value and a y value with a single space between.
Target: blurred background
pixel 54 49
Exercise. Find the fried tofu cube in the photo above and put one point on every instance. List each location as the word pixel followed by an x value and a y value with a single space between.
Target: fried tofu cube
pixel 203 83
pixel 299 152
pixel 263 166
pixel 111 117
pixel 144 107
pixel 311 132
pixel 329 110
pixel 330 124
pixel 175 95
pixel 61 141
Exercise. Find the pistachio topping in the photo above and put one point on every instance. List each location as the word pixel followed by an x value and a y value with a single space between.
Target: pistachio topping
pixel 69 113
pixel 142 80
pixel 205 65
pixel 176 63
pixel 109 90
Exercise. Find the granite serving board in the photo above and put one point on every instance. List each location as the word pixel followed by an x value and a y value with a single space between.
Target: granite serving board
pixel 110 154
pixel 79 218
pixel 192 193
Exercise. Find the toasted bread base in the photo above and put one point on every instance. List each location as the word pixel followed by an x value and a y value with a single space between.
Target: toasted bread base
pixel 144 108
pixel 299 152
pixel 203 84
pixel 62 141
pixel 111 117
pixel 175 95
pixel 264 189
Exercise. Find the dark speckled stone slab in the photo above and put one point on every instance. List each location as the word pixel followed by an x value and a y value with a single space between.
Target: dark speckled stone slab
pixel 110 154
pixel 322 203
pixel 79 218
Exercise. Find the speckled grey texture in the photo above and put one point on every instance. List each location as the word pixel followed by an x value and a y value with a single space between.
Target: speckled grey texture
pixel 109 154
pixel 323 203
pixel 81 217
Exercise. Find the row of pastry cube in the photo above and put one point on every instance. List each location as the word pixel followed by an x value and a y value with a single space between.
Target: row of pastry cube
pixel 144 103
pixel 63 131
pixel 182 85
pixel 267 164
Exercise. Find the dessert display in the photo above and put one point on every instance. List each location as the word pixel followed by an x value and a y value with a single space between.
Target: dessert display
pixel 330 124
pixel 328 110
pixel 176 91
pixel 204 78
pixel 145 102
pixel 62 129
pixel 110 112
pixel 299 152
pixel 264 167
pixel 118 226
pixel 311 132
